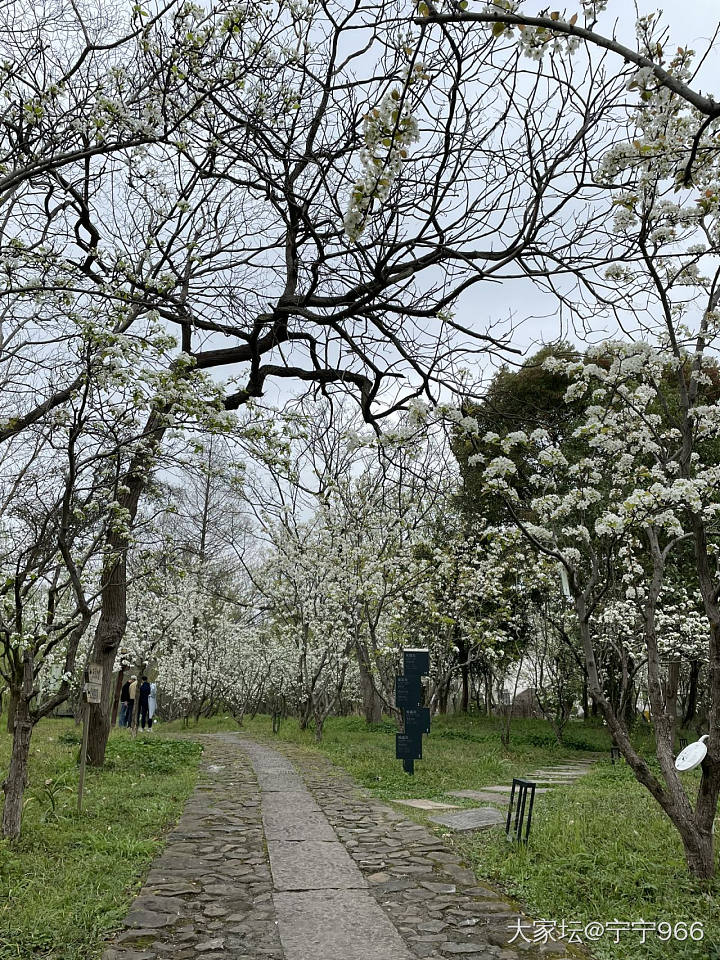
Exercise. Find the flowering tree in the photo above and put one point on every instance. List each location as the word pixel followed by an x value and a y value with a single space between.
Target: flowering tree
pixel 310 608
pixel 615 508
pixel 250 182
pixel 663 176
pixel 192 614
pixel 557 32
pixel 56 504
pixel 470 607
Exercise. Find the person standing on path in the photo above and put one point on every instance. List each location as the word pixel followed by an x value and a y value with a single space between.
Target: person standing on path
pixel 143 705
pixel 131 702
pixel 123 720
pixel 152 704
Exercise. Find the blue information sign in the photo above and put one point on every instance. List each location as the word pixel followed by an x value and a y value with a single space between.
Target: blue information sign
pixel 416 662
pixel 407 692
pixel 417 719
pixel 408 746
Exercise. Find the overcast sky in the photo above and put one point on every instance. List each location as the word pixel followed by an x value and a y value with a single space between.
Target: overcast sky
pixel 692 23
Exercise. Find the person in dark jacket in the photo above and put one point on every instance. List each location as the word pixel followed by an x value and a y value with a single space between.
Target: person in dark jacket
pixel 124 700
pixel 143 704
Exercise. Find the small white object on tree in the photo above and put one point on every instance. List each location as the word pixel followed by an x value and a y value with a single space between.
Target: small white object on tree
pixel 692 756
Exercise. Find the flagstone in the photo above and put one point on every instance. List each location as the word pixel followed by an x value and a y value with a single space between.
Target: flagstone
pixel 427 804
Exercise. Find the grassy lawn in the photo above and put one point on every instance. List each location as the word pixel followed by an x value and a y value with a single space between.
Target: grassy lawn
pixel 603 850
pixel 70 878
pixel 599 850
pixel 460 753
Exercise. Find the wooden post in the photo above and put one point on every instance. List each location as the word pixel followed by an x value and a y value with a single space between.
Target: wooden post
pixel 83 754
pixel 92 693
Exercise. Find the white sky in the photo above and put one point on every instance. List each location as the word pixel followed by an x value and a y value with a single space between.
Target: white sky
pixel 691 23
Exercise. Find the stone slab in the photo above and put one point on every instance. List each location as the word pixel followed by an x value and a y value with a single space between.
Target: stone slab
pixel 547 778
pixel 483 796
pixel 477 818
pixel 279 782
pixel 554 775
pixel 298 801
pixel 294 815
pixel 339 925
pixel 297 825
pixel 427 804
pixel 567 769
pixel 313 865
pixel 270 765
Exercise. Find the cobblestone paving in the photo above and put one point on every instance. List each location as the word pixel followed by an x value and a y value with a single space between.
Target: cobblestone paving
pixel 211 894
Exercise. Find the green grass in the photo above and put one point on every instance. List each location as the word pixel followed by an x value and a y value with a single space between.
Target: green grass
pixel 603 850
pixel 461 752
pixel 69 879
pixel 599 850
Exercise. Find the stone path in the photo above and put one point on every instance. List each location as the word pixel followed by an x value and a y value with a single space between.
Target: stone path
pixel 324 908
pixel 281 856
pixel 498 795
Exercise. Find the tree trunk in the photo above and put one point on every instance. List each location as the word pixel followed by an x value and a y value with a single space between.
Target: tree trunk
pixel 17 778
pixel 699 852
pixel 12 707
pixel 691 708
pixel 507 718
pixel 443 693
pixel 372 703
pixel 116 698
pixel 110 629
pixel 305 710
pixel 671 695
pixel 100 719
pixel 109 634
pixel 488 694
pixel 694 827
pixel 14 786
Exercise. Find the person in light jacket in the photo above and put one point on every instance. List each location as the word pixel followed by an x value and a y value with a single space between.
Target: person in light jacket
pixel 152 704
pixel 131 702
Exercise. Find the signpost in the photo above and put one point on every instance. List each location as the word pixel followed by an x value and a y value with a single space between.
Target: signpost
pixel 407 692
pixel 416 718
pixel 93 684
pixel 408 746
pixel 92 693
pixel 416 662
